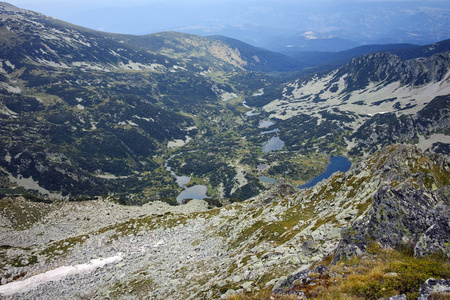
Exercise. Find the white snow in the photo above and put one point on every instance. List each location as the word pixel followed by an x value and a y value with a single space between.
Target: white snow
pixel 55 275
pixel 228 96
pixel 304 97
pixel 31 184
pixel 138 66
pixel 10 89
pixel 179 143
pixel 424 143
pixel 9 64
pixel 52 63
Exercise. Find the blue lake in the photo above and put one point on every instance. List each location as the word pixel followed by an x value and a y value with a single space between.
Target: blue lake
pixel 337 163
pixel 265 179
pixel 274 144
pixel 193 192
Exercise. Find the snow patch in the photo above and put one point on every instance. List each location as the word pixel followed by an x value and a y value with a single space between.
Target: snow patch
pixel 31 184
pixel 228 96
pixel 55 275
pixel 9 64
pixel 179 143
pixel 425 144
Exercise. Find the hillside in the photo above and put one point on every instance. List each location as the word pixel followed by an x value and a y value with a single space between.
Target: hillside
pixel 85 113
pixel 379 88
pixel 109 140
pixel 265 245
pixel 212 51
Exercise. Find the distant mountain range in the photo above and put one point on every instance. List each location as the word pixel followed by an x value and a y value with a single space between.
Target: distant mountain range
pixel 282 25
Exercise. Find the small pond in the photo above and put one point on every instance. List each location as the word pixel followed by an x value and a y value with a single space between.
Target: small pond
pixel 265 179
pixel 337 163
pixel 265 124
pixel 274 144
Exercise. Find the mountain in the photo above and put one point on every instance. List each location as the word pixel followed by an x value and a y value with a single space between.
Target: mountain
pixel 333 60
pixel 212 51
pixel 317 243
pixel 379 86
pixel 108 139
pixel 84 115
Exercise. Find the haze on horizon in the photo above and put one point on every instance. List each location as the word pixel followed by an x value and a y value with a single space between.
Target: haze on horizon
pixel 274 24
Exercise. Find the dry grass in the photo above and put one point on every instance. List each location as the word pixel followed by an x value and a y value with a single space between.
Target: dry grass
pixel 379 274
pixel 384 273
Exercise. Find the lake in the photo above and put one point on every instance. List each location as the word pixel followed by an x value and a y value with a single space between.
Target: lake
pixel 193 192
pixel 266 179
pixel 265 124
pixel 337 163
pixel 274 144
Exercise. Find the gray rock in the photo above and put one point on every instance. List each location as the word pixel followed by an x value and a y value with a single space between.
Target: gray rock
pixel 400 216
pixel 434 286
pixel 286 283
pixel 437 237
pixel 397 297
pixel 310 247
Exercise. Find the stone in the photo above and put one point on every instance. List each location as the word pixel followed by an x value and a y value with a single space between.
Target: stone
pixel 309 247
pixel 286 283
pixel 247 285
pixel 397 297
pixel 400 216
pixel 432 286
pixel 437 237
pixel 320 269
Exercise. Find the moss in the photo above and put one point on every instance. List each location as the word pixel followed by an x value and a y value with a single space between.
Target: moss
pixel 61 247
pixel 381 274
pixel 362 207
pixel 330 219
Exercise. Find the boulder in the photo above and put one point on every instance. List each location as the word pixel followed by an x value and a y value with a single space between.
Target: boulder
pixel 434 286
pixel 402 216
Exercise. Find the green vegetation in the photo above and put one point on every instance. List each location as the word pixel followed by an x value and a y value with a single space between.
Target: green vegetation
pixel 380 274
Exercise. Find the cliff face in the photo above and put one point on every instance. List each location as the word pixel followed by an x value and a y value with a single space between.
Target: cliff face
pixel 399 196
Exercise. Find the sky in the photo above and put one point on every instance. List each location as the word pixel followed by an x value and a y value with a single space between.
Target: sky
pixel 261 22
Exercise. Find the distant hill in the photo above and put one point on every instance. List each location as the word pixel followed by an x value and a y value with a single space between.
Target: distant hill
pixel 213 51
pixel 337 59
pixel 331 60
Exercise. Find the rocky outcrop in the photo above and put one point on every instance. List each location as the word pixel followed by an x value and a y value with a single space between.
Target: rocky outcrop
pixel 434 286
pixel 403 216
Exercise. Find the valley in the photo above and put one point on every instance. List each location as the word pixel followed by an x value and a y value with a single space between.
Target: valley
pixel 177 166
pixel 104 119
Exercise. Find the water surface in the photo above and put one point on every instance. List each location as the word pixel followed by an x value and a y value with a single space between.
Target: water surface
pixel 274 144
pixel 337 163
pixel 265 179
pixel 193 192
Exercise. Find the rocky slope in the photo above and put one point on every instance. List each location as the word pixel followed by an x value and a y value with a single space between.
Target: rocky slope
pixel 189 252
pixel 373 100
